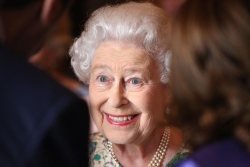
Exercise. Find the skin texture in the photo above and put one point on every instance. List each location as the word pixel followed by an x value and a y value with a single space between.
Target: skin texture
pixel 126 81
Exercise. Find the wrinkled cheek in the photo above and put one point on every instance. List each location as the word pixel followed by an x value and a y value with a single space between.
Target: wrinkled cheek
pixel 96 112
pixel 146 119
pixel 153 117
pixel 97 117
pixel 95 103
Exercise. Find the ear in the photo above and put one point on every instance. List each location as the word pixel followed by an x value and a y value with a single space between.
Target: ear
pixel 51 11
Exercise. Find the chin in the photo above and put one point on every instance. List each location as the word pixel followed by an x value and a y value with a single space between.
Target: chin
pixel 120 138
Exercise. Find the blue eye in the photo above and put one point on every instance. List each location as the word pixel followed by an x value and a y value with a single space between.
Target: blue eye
pixel 102 79
pixel 135 81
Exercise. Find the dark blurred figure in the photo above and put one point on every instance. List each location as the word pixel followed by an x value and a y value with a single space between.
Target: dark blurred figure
pixel 170 6
pixel 82 9
pixel 41 122
pixel 54 59
pixel 210 80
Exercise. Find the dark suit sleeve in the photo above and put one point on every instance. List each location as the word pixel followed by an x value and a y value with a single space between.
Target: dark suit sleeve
pixel 66 142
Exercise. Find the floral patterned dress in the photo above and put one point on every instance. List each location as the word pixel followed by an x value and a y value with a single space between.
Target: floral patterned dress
pixel 100 156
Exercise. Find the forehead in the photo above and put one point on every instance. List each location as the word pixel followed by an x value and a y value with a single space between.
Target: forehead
pixel 122 54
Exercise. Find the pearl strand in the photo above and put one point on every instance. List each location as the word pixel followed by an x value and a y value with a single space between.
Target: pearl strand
pixel 162 149
pixel 159 154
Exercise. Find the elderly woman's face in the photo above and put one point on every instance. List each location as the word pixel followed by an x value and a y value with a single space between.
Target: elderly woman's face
pixel 127 99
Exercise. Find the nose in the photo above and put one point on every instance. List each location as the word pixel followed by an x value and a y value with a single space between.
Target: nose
pixel 116 95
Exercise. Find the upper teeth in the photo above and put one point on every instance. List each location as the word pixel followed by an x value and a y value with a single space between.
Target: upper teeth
pixel 121 119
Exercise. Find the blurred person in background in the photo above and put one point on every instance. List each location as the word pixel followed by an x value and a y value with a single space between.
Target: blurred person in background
pixel 169 6
pixel 41 122
pixel 122 54
pixel 210 81
pixel 82 9
pixel 54 59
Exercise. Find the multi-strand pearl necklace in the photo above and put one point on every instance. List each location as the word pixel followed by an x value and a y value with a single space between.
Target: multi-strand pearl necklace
pixel 159 154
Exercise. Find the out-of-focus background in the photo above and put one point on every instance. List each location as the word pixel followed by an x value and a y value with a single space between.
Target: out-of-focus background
pixel 53 57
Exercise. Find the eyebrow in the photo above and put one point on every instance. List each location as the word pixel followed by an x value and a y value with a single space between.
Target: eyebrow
pixel 128 68
pixel 136 70
pixel 100 66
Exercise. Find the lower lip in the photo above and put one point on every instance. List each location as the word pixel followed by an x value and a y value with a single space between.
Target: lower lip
pixel 121 123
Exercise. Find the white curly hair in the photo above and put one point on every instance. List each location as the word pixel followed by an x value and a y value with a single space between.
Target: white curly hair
pixel 140 24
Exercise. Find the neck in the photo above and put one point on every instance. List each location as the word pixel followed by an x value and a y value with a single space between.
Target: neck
pixel 139 154
pixel 142 147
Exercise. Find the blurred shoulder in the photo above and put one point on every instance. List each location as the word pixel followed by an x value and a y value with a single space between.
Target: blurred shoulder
pixel 228 152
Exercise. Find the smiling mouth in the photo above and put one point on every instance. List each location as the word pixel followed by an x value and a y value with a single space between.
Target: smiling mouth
pixel 122 118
